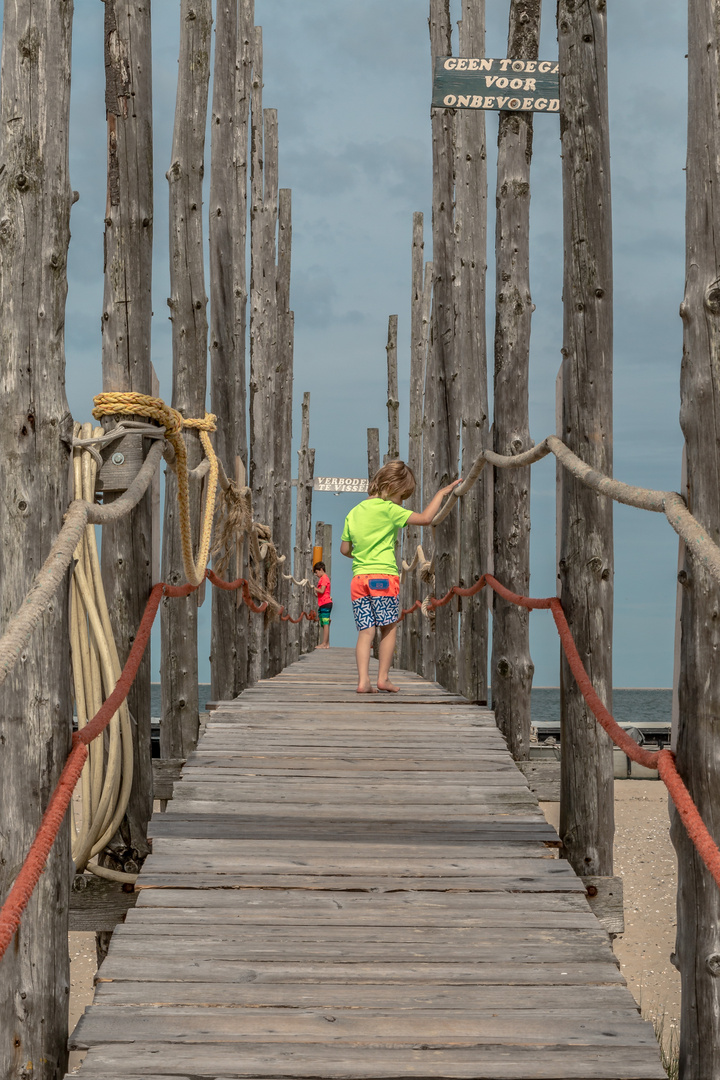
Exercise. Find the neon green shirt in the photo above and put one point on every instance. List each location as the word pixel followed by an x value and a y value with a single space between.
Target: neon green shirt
pixel 372 527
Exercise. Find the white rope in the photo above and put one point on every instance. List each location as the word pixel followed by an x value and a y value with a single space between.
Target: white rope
pixel 106 779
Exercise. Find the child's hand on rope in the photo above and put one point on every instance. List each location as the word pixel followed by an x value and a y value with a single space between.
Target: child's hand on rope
pixel 448 489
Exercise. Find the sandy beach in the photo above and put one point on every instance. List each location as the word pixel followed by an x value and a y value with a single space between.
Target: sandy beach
pixel 645 859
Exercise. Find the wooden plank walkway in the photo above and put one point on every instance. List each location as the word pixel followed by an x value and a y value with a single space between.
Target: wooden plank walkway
pixel 352 886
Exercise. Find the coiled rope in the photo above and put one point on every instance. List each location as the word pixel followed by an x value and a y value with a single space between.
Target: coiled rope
pixel 31 869
pixel 106 780
pixel 114 403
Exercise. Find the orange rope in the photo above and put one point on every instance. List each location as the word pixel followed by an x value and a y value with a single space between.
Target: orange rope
pixel 663 760
pixel 29 873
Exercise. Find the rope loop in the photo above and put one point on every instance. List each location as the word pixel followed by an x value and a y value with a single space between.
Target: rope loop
pixel 129 403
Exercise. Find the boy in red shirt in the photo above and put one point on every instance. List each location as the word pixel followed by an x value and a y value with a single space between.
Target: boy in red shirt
pixel 324 599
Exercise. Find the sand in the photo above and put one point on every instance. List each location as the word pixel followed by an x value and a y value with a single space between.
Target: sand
pixel 645 859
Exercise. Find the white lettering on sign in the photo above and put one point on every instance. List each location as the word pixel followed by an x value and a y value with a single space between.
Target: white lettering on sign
pixel 517 85
pixel 340 483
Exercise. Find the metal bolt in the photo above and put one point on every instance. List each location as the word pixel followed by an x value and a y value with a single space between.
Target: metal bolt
pixel 118 458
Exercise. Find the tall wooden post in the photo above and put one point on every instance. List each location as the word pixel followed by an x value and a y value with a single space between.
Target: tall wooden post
pixel 471 229
pixel 263 328
pixel 431 398
pixel 126 328
pixel 447 421
pixel 698 907
pixel 227 234
pixel 187 303
pixel 410 636
pixel 512 667
pixel 393 403
pixel 586 552
pixel 35 440
pixel 282 530
pixel 303 526
pixel 373 451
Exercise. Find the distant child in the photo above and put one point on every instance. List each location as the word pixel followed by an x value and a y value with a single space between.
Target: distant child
pixel 324 600
pixel 368 538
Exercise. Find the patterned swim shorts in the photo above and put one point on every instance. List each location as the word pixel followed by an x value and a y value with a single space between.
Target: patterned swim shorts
pixel 375 600
pixel 324 614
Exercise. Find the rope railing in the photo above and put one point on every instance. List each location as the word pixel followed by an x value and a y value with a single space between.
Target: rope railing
pixel 32 867
pixel 661 760
pixel 702 547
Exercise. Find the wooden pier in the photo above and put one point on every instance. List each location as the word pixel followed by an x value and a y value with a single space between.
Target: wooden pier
pixel 349 886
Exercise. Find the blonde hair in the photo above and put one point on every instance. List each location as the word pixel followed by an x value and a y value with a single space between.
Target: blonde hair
pixel 395 478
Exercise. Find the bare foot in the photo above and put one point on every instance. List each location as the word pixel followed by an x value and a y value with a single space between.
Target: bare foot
pixel 389 687
pixel 366 690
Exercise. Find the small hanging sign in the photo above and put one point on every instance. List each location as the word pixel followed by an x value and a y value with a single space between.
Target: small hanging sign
pixel 500 85
pixel 338 484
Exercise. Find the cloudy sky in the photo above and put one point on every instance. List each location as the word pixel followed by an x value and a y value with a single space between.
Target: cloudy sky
pixel 351 81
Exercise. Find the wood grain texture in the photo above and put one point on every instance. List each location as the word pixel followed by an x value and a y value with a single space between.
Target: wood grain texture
pixel 188 316
pixel 698 937
pixel 586 565
pixel 469 287
pixel 126 328
pixel 227 254
pixel 35 437
pixel 512 667
pixel 355 919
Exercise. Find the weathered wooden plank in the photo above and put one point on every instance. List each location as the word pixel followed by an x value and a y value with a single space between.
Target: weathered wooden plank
pixel 365 1027
pixel 101 905
pixel 530 882
pixel 360 995
pixel 281 972
pixel 338 885
pixel 480 1062
pixel 265 903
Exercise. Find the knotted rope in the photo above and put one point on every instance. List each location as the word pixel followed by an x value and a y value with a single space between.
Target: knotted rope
pixel 115 403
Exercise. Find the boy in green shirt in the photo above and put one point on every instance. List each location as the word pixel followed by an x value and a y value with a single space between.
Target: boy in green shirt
pixel 368 538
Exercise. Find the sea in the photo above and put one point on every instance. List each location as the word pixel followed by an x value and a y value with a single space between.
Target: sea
pixel 630 705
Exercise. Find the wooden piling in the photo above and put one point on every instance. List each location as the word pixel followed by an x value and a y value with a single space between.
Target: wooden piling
pixel 471 230
pixel 586 545
pixel 227 245
pixel 373 451
pixel 431 399
pixel 410 637
pixel 187 303
pixel 127 545
pixel 393 403
pixel 446 430
pixel 512 667
pixel 302 597
pixel 35 438
pixel 282 530
pixel 698 692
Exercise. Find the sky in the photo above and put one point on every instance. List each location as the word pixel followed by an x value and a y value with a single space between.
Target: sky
pixel 351 80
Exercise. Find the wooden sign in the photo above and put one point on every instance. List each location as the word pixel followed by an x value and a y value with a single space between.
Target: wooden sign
pixel 510 85
pixel 337 484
